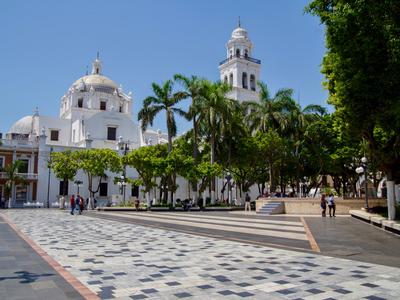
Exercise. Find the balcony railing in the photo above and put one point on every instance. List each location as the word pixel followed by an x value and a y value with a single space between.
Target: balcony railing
pixel 26 176
pixel 18 142
pixel 254 60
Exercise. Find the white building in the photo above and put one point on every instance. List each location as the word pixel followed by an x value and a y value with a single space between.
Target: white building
pixel 96 113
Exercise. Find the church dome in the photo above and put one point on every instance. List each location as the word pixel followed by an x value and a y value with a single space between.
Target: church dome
pixel 239 32
pixel 22 126
pixel 95 80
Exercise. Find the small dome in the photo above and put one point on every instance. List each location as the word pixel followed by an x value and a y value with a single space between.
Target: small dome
pixel 22 126
pixel 239 33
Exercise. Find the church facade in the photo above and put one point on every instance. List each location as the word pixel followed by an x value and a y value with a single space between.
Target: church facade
pixel 96 113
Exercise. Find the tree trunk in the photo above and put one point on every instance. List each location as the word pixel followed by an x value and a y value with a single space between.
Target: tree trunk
pixel 212 163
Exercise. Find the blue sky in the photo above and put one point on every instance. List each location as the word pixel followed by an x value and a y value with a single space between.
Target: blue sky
pixel 46 46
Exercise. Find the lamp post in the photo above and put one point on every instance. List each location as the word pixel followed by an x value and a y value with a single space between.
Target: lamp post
pixel 78 184
pixel 48 180
pixel 122 185
pixel 124 146
pixel 228 178
pixel 360 170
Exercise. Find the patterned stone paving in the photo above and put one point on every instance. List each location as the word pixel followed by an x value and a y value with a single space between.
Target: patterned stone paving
pixel 126 261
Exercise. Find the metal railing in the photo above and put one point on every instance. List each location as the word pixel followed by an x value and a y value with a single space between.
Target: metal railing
pixel 254 60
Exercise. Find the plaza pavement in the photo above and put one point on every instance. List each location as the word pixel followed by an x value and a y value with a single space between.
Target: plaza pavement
pixel 123 260
pixel 26 275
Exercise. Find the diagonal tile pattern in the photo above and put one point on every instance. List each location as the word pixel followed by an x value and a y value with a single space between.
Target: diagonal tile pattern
pixel 127 261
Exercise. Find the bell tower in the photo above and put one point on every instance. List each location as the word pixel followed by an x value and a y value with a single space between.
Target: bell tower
pixel 240 69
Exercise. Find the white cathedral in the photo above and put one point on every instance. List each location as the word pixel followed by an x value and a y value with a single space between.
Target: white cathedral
pixel 96 113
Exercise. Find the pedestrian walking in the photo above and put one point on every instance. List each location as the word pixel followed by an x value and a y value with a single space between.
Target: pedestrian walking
pixel 247 200
pixel 72 204
pixel 331 205
pixel 81 205
pixel 77 204
pixel 323 205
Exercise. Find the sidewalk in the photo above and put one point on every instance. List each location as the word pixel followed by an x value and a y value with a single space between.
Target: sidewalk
pixel 26 275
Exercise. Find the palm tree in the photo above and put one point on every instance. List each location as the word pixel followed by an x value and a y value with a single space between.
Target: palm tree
pixel 299 119
pixel 12 178
pixel 164 99
pixel 215 109
pixel 195 89
pixel 269 112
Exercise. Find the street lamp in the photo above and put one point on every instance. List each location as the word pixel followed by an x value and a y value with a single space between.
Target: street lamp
pixel 228 178
pixel 48 180
pixel 122 184
pixel 360 170
pixel 123 146
pixel 78 184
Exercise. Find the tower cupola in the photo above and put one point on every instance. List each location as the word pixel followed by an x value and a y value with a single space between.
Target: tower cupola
pixel 96 66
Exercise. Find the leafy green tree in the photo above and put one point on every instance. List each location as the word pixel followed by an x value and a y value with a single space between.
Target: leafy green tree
pixel 215 109
pixel 269 112
pixel 195 89
pixel 65 166
pixel 12 178
pixel 164 99
pixel 95 163
pixel 149 162
pixel 361 69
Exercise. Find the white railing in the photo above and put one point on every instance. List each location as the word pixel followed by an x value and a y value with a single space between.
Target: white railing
pixel 18 142
pixel 27 176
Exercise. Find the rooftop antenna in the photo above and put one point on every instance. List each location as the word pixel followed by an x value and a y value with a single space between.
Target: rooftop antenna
pixel 239 21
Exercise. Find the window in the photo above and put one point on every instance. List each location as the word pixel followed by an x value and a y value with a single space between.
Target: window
pixel 53 135
pixel 230 54
pixel 2 160
pixel 103 189
pixel 135 191
pixel 111 133
pixel 24 167
pixel 246 53
pixel 120 109
pixel 253 82
pixel 97 70
pixel 80 102
pixel 237 53
pixel 231 79
pixel 21 192
pixel 244 80
pixel 226 79
pixel 103 105
pixel 63 184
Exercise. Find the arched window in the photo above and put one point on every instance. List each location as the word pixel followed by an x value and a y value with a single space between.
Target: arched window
pixel 246 53
pixel 231 79
pixel 230 54
pixel 244 80
pixel 253 82
pixel 226 79
pixel 237 52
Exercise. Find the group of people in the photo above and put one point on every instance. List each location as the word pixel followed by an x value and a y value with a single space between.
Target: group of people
pixel 77 204
pixel 331 205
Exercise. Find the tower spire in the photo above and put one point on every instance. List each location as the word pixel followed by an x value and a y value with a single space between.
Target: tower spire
pixel 239 21
pixel 98 54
